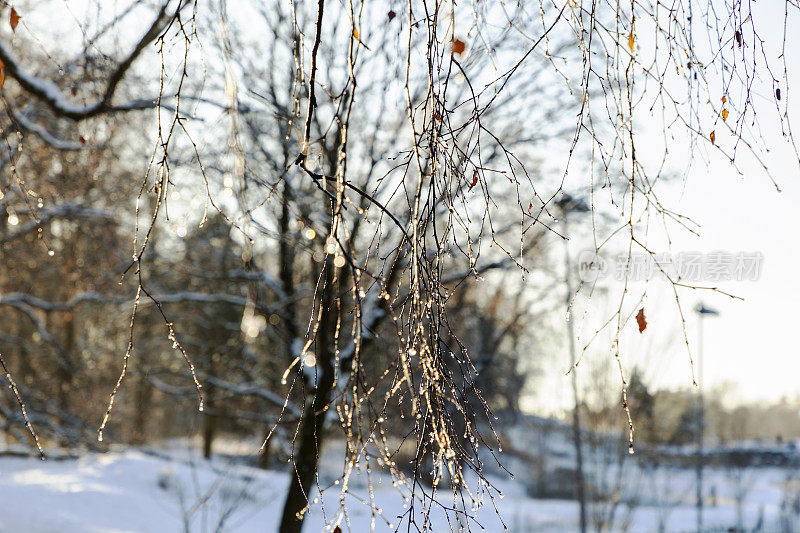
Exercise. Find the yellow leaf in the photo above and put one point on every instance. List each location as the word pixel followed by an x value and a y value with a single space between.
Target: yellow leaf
pixel 724 114
pixel 631 41
pixel 357 37
pixel 724 98
pixel 712 137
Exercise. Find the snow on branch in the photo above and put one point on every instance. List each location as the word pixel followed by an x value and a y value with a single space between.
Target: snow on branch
pixel 50 94
pixel 21 298
pixel 68 210
pixel 25 123
pixel 254 389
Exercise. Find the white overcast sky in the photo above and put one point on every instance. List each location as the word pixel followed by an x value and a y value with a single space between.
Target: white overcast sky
pixel 751 349
pixel 753 343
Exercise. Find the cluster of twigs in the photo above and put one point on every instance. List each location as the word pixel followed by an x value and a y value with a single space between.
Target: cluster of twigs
pixel 399 241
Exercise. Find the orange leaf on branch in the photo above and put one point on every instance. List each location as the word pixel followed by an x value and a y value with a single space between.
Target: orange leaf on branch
pixel 459 46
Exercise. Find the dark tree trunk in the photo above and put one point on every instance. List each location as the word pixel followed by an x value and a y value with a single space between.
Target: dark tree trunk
pixel 144 395
pixel 210 421
pixel 310 436
pixel 209 430
pixel 66 367
pixel 286 257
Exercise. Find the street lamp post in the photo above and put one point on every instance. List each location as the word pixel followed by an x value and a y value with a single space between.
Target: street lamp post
pixel 702 312
pixel 568 205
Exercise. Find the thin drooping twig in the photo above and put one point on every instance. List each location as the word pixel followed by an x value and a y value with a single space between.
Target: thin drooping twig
pixel 13 386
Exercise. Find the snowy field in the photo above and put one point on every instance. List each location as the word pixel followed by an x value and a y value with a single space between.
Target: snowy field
pixel 170 491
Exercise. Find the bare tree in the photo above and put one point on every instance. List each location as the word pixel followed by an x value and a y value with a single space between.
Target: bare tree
pixel 382 157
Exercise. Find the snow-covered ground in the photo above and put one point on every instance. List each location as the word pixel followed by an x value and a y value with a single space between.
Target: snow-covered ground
pixel 145 492
pixel 172 490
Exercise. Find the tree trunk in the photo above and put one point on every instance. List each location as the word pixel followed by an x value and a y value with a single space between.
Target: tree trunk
pixel 144 395
pixel 209 427
pixel 66 367
pixel 310 436
pixel 210 421
pixel 286 257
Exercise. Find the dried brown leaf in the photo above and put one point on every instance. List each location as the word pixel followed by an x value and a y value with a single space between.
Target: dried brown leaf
pixel 640 320
pixel 14 19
